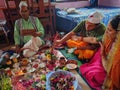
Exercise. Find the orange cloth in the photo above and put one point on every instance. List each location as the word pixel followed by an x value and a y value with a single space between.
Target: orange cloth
pixel 112 81
pixel 82 54
pixel 107 44
pixel 71 43
pixel 115 71
pixel 115 75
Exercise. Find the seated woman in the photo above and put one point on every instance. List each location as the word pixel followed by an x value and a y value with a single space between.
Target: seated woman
pixel 100 65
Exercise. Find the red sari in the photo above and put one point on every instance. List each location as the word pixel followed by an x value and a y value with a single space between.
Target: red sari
pixel 94 71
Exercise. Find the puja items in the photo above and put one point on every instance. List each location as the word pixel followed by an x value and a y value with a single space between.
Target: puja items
pixel 3 59
pixel 5 81
pixel 61 64
pixel 8 71
pixel 30 81
pixel 24 61
pixel 71 64
pixel 7 60
pixel 61 80
pixel 62 61
pixel 51 58
pixel 81 49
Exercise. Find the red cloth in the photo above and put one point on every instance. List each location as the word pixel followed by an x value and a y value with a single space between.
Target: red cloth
pixel 94 71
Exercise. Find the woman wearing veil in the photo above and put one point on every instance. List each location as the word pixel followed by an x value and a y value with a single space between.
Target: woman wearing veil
pixel 104 66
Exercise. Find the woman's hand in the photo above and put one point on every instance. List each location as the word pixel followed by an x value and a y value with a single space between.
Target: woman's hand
pixel 103 55
pixel 102 50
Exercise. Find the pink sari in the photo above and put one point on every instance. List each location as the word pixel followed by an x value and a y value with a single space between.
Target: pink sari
pixel 94 71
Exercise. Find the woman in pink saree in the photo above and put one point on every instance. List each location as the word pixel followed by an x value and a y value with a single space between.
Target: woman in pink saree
pixel 97 69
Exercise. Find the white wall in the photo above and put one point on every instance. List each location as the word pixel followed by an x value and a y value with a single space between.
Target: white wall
pixel 72 4
pixel 114 3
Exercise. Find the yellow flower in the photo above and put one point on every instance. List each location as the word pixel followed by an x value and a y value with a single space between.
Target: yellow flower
pixel 48 56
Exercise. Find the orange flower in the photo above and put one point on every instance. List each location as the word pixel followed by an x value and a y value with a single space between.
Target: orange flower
pixel 88 54
pixel 77 51
pixel 84 54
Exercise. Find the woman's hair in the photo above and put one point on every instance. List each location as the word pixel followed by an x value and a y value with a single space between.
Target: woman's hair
pixel 115 22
